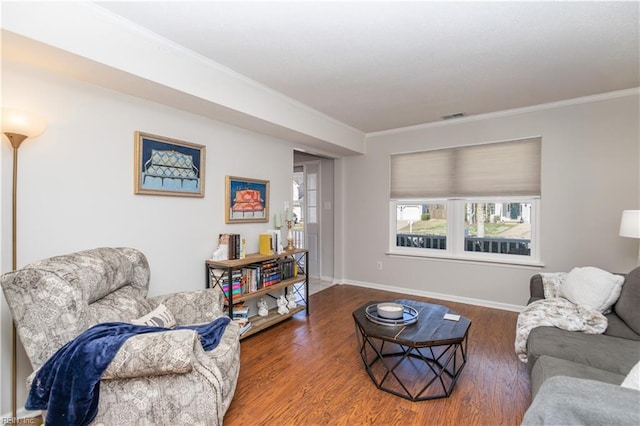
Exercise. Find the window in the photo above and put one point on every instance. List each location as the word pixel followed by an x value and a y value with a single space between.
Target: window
pixel 479 202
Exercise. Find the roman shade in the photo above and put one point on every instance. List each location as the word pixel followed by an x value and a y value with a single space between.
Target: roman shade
pixel 495 169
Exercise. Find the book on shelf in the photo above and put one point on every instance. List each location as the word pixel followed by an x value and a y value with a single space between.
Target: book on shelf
pixel 221 277
pixel 266 244
pixel 287 268
pixel 235 245
pixel 240 312
pixel 276 241
pixel 244 324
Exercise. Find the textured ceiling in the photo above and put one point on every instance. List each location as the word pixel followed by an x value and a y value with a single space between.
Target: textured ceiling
pixel 385 65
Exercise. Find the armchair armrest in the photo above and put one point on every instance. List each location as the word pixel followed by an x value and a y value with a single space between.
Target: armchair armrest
pixel 193 307
pixel 153 354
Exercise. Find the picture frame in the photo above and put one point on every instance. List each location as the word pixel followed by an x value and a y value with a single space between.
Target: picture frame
pixel 165 166
pixel 246 200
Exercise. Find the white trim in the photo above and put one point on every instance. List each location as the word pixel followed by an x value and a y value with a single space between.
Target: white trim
pixel 432 255
pixel 509 112
pixel 439 296
pixel 455 250
pixel 22 414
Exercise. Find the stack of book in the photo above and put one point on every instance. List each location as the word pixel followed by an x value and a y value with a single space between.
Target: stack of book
pixel 270 242
pixel 234 243
pixel 270 273
pixel 287 268
pixel 221 278
pixel 252 275
pixel 244 324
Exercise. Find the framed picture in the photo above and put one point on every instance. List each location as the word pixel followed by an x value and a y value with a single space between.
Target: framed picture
pixel 166 166
pixel 246 200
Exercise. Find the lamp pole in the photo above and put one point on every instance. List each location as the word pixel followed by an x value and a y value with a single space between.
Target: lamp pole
pixel 17 126
pixel 15 140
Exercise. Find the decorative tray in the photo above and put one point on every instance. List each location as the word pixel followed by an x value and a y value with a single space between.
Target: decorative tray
pixel 410 316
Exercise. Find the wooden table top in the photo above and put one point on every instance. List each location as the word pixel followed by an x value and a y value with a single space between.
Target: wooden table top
pixel 431 329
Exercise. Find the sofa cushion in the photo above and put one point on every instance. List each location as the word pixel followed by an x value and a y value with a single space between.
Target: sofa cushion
pixel 618 328
pixel 629 301
pixel 608 353
pixel 547 366
pixel 570 401
pixel 592 287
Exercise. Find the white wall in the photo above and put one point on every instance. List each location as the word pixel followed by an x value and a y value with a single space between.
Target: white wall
pixel 76 184
pixel 590 163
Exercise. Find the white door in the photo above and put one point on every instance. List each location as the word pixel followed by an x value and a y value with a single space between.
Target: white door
pixel 312 216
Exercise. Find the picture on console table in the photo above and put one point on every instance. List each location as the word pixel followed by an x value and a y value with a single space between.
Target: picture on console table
pixel 166 166
pixel 246 200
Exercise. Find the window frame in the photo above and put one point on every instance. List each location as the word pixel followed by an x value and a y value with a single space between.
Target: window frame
pixel 455 231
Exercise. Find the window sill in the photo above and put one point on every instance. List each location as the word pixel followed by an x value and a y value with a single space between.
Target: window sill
pixel 469 259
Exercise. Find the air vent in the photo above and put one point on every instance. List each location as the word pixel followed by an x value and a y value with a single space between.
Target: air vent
pixel 456 115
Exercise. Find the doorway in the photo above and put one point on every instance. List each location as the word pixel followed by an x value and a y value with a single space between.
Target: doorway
pixel 313 212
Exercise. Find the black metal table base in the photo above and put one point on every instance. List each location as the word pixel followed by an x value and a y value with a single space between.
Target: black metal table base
pixel 413 373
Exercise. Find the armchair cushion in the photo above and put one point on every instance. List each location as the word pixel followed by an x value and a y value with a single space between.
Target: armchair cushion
pixel 193 307
pixel 67 385
pixel 153 354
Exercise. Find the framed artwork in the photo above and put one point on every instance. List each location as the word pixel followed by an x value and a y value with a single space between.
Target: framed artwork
pixel 246 200
pixel 166 166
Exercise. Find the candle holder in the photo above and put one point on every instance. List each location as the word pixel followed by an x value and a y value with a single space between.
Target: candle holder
pixel 289 235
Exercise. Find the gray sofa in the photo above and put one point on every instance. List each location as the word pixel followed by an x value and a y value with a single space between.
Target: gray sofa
pixel 576 377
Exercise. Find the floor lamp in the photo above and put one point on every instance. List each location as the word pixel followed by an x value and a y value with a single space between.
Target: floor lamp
pixel 17 126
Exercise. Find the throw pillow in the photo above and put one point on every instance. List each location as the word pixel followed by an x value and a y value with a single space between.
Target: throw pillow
pixel 159 317
pixel 632 381
pixel 627 305
pixel 592 287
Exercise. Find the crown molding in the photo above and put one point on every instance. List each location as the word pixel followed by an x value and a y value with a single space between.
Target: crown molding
pixel 515 111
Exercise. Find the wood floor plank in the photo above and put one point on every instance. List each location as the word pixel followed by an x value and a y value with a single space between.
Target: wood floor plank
pixel 308 371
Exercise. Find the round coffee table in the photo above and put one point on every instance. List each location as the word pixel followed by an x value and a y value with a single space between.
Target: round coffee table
pixel 419 361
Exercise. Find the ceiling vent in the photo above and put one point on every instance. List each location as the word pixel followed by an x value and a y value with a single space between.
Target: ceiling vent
pixel 450 116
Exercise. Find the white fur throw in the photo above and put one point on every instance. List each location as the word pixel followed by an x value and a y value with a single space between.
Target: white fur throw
pixel 592 287
pixel 556 312
pixel 552 283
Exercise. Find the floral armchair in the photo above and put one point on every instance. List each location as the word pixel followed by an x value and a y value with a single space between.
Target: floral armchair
pixel 155 378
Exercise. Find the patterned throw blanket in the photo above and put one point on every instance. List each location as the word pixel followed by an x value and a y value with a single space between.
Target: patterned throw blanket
pixel 68 384
pixel 555 311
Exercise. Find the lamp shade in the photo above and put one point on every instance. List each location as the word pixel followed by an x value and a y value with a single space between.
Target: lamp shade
pixel 630 224
pixel 22 122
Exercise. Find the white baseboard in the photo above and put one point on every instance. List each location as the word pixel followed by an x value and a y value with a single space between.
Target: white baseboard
pixel 23 414
pixel 440 296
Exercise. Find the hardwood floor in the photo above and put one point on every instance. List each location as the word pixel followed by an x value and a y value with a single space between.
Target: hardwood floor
pixel 308 371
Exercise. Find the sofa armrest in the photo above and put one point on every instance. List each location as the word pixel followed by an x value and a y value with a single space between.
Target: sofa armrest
pixel 153 354
pixel 536 289
pixel 193 307
pixel 568 400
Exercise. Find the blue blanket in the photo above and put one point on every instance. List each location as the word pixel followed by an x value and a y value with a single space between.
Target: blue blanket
pixel 68 384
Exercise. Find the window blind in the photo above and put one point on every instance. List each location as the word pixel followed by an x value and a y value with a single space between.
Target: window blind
pixel 495 169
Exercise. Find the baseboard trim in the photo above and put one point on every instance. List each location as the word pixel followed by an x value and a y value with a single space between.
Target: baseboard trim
pixel 22 415
pixel 441 296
